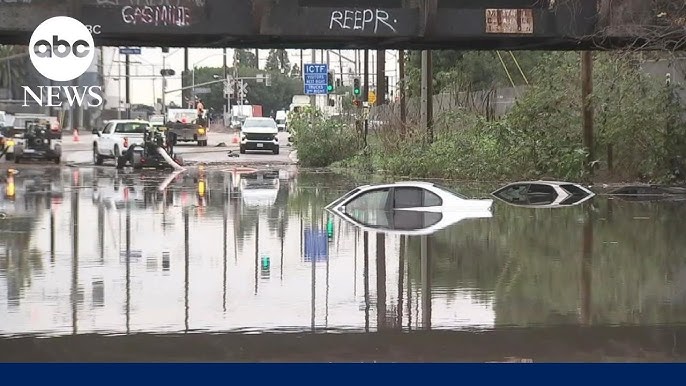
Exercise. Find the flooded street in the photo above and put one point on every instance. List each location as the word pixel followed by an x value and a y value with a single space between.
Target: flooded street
pixel 97 263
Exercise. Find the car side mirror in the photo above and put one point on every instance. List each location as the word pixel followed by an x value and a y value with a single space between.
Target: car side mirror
pixel 96 131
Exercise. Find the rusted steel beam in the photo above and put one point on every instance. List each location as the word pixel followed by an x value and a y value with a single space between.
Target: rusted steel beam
pixel 410 24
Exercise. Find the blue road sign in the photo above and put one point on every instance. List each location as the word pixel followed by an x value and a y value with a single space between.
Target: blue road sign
pixel 316 78
pixel 130 50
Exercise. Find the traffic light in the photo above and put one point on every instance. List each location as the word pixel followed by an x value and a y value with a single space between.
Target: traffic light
pixel 329 83
pixel 356 86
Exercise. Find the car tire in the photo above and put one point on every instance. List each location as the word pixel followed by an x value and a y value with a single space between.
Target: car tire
pixel 97 158
pixel 276 151
pixel 9 156
pixel 136 161
pixel 17 160
pixel 121 162
pixel 57 160
pixel 242 150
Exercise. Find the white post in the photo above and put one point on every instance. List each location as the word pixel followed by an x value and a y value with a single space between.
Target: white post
pixel 118 83
pixel 193 86
pixel 164 88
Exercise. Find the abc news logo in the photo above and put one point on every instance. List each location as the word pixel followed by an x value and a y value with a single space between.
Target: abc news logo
pixel 62 49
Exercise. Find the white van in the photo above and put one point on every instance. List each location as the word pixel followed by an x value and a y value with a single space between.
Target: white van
pixel 281 117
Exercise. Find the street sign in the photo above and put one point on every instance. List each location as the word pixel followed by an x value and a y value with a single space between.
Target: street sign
pixel 202 90
pixel 242 89
pixel 372 97
pixel 316 77
pixel 228 88
pixel 130 50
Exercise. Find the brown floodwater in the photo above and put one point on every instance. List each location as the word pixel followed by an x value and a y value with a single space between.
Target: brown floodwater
pixel 221 264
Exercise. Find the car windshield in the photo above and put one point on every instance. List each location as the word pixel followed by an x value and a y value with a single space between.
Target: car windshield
pixel 344 197
pixel 267 123
pixel 131 128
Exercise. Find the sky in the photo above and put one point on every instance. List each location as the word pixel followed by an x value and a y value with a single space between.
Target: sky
pixel 146 90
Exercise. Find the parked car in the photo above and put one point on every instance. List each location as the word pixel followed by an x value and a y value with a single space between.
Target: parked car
pixel 408 208
pixel 259 133
pixel 116 138
pixel 543 194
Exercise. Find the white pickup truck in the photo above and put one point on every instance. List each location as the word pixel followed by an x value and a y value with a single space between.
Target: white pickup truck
pixel 116 138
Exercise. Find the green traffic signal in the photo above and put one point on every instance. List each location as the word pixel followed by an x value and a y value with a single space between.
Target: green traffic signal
pixel 329 88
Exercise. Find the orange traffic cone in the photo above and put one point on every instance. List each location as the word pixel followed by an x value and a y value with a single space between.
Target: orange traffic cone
pixel 76 135
pixel 235 138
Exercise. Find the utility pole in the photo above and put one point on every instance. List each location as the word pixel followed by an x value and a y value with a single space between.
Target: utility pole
pixel 430 9
pixel 164 86
pixel 313 98
pixel 340 65
pixel 366 92
pixel 427 94
pixel 586 91
pixel 226 76
pixel 184 94
pixel 380 77
pixel 128 86
pixel 401 69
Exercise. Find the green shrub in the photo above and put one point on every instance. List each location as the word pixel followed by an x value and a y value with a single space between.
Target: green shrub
pixel 321 141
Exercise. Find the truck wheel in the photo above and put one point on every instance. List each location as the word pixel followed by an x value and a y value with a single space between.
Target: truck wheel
pixel 97 158
pixel 121 162
pixel 136 161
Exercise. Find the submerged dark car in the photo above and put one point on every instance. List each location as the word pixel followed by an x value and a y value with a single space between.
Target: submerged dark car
pixel 649 193
pixel 543 194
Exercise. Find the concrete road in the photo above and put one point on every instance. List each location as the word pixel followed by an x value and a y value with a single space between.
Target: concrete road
pixel 216 152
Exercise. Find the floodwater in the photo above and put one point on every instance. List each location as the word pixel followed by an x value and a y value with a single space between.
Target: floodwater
pixel 226 265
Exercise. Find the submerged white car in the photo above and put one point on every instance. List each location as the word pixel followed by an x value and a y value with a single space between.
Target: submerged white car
pixel 543 194
pixel 407 208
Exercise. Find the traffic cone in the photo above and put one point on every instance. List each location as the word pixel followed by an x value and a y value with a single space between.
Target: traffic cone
pixel 235 138
pixel 76 135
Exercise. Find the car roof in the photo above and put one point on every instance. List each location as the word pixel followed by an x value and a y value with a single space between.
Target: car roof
pixel 542 182
pixel 127 121
pixel 258 119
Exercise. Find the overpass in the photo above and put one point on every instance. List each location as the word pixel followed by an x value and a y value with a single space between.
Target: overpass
pixel 359 24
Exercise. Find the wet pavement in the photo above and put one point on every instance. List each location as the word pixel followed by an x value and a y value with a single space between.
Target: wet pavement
pixel 78 152
pixel 224 263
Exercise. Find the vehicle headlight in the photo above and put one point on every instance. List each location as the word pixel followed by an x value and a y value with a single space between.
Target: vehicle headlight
pixel 10 142
pixel 201 131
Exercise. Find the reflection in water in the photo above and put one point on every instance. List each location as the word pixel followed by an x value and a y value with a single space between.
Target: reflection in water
pixel 164 258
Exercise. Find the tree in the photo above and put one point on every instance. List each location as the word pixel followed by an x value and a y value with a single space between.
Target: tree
pixel 13 69
pixel 245 58
pixel 277 61
pixel 472 70
pixel 276 97
pixel 296 72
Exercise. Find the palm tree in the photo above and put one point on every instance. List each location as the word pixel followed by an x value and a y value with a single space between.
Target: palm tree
pixel 14 64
